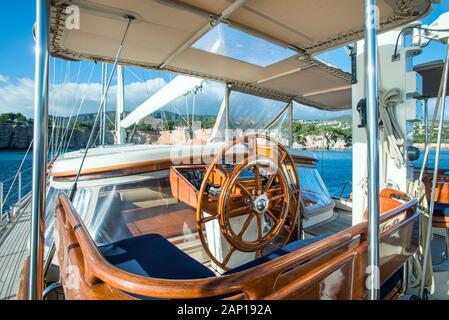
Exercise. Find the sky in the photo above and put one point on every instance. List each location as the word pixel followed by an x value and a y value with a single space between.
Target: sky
pixel 78 83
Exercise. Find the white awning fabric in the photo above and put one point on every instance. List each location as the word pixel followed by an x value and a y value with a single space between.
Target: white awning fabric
pixel 162 35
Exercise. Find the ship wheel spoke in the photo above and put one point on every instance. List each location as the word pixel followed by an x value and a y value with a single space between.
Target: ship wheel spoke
pixel 270 182
pixel 277 197
pixel 222 170
pixel 240 211
pixel 284 156
pixel 259 227
pixel 228 256
pixel 256 178
pixel 245 225
pixel 272 216
pixel 245 190
pixel 273 190
pixel 209 219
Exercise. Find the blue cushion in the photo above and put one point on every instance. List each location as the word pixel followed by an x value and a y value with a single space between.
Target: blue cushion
pixel 441 210
pixel 391 283
pixel 291 247
pixel 153 256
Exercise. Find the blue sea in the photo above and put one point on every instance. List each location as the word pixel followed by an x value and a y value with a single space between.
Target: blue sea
pixel 9 164
pixel 335 168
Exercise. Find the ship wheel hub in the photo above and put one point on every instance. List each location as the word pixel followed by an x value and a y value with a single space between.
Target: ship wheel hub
pixel 261 203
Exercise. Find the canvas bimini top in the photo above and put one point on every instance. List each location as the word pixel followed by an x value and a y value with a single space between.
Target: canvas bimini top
pixel 172 35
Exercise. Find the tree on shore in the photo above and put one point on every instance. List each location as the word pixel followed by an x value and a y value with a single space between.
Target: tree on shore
pixel 14 119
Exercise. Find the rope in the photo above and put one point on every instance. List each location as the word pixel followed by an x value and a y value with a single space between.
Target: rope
pixel 418 190
pixel 392 134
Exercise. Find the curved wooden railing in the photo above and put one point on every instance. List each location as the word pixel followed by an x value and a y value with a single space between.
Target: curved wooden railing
pixel 281 278
pixel 442 185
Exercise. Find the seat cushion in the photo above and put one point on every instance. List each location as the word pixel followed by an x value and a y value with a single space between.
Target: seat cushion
pixel 153 256
pixel 291 247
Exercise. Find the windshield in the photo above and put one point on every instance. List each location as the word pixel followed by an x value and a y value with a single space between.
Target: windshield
pixel 251 113
pixel 80 203
pixel 314 193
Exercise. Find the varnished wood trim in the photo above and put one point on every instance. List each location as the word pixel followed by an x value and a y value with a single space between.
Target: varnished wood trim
pixel 101 280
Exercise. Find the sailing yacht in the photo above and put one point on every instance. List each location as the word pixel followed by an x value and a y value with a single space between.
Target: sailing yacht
pixel 246 215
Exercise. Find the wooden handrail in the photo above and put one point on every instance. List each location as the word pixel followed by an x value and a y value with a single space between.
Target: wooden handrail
pixel 251 282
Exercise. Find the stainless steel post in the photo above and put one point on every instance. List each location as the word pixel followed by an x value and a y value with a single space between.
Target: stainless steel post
pixel 1 201
pixel 290 124
pixel 119 108
pixel 426 121
pixel 226 101
pixel 373 148
pixel 39 150
pixel 19 187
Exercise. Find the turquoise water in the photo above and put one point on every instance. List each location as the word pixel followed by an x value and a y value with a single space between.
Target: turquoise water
pixel 335 168
pixel 9 164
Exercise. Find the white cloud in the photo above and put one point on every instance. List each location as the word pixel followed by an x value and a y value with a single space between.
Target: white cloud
pixel 66 98
pixel 17 97
pixel 4 79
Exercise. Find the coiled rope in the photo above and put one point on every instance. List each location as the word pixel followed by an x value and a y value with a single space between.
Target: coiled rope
pixel 388 99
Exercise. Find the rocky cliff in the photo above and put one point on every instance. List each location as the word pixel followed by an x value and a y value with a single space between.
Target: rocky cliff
pixel 20 136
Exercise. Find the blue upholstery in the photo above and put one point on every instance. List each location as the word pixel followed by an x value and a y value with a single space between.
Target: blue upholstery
pixel 153 256
pixel 441 210
pixel 390 284
pixel 291 247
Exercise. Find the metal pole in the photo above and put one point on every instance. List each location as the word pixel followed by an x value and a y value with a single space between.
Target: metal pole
pixel 290 124
pixel 119 131
pixel 226 101
pixel 103 81
pixel 426 121
pixel 434 181
pixel 103 119
pixel 39 150
pixel 373 148
pixel 19 187
pixel 1 201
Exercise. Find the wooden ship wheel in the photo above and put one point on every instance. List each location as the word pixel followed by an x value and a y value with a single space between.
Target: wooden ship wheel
pixel 250 193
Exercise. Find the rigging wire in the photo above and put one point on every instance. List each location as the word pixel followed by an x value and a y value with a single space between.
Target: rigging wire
pixel 61 146
pixel 79 109
pixel 89 142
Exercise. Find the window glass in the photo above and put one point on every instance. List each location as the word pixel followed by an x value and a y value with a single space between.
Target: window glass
pixel 133 209
pixel 80 203
pixel 313 191
pixel 233 43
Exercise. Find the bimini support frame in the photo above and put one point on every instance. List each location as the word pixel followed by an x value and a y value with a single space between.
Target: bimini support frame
pixel 212 23
pixel 120 134
pixel 373 148
pixel 39 170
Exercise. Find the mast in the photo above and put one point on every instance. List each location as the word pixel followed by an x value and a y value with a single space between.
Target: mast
pixel 39 170
pixel 104 73
pixel 373 148
pixel 120 106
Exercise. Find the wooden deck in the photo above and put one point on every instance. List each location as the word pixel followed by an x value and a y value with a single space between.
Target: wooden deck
pixel 14 247
pixel 340 222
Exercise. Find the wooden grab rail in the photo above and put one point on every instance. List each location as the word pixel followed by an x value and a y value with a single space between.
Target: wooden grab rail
pixel 256 283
